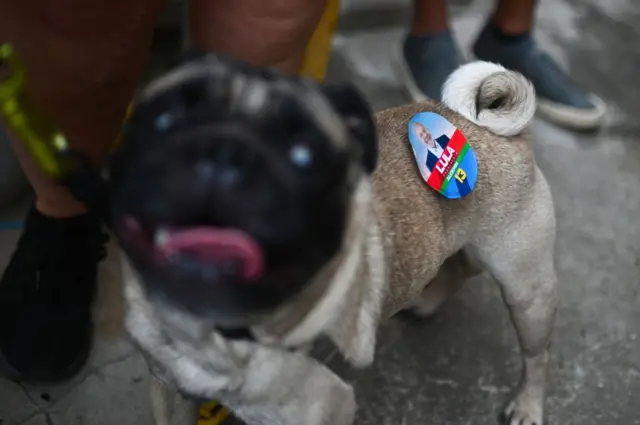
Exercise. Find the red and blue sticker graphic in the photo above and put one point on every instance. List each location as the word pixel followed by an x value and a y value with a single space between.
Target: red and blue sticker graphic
pixel 445 159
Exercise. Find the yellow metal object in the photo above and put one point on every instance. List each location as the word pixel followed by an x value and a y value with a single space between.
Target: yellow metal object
pixel 319 48
pixel 41 136
pixel 212 413
pixel 25 120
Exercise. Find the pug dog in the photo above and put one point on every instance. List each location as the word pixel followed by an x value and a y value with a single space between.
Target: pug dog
pixel 258 212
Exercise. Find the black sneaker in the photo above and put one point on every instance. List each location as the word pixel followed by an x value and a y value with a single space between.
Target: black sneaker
pixel 46 294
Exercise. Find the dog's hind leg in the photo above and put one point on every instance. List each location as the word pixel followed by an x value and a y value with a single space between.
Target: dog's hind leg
pixel 520 257
pixel 455 271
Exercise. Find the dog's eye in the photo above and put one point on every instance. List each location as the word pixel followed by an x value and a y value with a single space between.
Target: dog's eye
pixel 163 122
pixel 300 154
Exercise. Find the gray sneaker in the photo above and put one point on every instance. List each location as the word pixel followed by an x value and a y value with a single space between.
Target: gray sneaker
pixel 425 64
pixel 559 98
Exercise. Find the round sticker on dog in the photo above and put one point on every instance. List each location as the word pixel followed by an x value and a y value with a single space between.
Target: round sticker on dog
pixel 445 159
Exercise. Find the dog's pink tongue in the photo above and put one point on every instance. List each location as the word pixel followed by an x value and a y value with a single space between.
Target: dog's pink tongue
pixel 215 245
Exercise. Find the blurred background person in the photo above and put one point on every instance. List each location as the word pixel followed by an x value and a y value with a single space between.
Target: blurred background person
pixel 430 54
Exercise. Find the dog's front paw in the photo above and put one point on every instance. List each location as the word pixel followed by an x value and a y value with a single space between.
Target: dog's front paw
pixel 525 409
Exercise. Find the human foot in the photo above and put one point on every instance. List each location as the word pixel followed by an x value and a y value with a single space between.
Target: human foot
pixel 426 62
pixel 46 294
pixel 559 98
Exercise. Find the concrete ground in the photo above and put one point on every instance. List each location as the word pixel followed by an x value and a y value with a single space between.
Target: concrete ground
pixel 460 367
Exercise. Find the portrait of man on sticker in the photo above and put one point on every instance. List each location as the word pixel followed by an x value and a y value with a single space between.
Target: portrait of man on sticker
pixel 434 146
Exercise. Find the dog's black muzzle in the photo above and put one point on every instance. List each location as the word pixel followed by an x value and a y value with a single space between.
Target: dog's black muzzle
pixel 229 198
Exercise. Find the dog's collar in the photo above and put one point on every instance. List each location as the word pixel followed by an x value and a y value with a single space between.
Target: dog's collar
pixel 246 334
pixel 242 333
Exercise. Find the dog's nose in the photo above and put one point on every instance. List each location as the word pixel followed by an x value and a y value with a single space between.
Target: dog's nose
pixel 226 163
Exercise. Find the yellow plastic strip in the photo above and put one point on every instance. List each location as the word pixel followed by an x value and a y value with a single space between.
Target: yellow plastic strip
pixel 319 48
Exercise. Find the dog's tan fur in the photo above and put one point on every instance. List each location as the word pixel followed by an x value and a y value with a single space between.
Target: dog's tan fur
pixel 400 233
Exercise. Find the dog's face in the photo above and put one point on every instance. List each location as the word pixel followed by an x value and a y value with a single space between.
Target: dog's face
pixel 232 185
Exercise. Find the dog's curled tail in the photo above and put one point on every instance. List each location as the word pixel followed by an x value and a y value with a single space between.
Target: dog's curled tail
pixel 491 96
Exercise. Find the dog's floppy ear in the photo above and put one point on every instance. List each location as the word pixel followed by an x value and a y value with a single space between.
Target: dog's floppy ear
pixel 357 115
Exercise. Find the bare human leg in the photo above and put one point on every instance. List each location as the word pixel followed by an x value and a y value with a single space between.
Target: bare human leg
pixel 83 60
pixel 264 33
pixel 429 17
pixel 514 17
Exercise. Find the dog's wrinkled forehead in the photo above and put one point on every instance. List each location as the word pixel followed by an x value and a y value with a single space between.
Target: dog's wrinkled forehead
pixel 251 91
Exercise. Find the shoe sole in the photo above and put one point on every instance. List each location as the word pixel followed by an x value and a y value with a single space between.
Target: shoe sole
pixel 574 118
pixel 566 116
pixel 7 371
